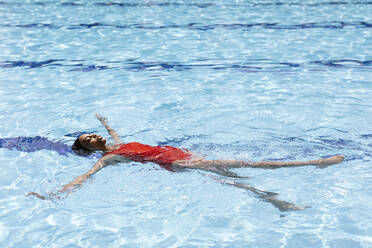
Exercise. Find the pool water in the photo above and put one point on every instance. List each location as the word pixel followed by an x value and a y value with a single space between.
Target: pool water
pixel 248 80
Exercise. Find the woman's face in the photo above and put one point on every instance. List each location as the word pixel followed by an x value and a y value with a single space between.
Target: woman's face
pixel 92 142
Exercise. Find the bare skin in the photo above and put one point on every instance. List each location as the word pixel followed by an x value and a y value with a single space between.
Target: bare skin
pixel 94 142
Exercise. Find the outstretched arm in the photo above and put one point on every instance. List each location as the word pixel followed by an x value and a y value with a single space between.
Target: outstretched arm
pixel 78 181
pixel 111 131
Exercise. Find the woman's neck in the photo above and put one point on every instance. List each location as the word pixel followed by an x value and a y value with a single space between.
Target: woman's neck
pixel 109 148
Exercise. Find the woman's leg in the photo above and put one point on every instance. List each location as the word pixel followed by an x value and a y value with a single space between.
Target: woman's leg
pixel 204 164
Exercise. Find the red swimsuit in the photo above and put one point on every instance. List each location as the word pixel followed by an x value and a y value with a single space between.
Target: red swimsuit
pixel 162 155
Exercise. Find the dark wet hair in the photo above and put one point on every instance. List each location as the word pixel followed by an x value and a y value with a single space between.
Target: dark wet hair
pixel 79 149
pixel 77 145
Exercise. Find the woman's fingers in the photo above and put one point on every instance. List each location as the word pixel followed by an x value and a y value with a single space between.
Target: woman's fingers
pixel 100 117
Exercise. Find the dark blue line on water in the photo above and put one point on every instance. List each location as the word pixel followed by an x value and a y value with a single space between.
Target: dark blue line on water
pixel 72 4
pixel 130 65
pixel 177 4
pixel 200 26
pixel 32 64
pixel 344 62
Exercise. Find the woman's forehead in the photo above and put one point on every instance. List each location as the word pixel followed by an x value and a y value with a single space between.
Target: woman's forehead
pixel 83 136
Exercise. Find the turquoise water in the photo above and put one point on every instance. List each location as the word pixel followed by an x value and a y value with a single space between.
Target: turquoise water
pixel 287 80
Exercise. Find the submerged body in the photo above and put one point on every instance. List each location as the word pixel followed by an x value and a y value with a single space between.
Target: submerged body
pixel 171 157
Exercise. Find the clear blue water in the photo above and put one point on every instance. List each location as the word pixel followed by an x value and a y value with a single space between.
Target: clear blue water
pixel 243 80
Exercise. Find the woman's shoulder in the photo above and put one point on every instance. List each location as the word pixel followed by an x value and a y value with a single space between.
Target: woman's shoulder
pixel 110 158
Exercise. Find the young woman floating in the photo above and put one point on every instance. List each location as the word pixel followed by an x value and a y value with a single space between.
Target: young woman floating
pixel 171 158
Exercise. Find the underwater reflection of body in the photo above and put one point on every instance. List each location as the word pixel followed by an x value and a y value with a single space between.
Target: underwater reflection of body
pixel 32 144
pixel 37 143
pixel 176 159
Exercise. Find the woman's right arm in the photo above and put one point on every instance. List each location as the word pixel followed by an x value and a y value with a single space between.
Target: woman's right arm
pixel 78 181
pixel 111 131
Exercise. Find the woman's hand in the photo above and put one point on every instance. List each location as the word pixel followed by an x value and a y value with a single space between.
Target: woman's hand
pixel 111 131
pixel 102 119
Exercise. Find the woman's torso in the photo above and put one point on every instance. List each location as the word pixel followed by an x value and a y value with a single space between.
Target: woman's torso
pixel 162 155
